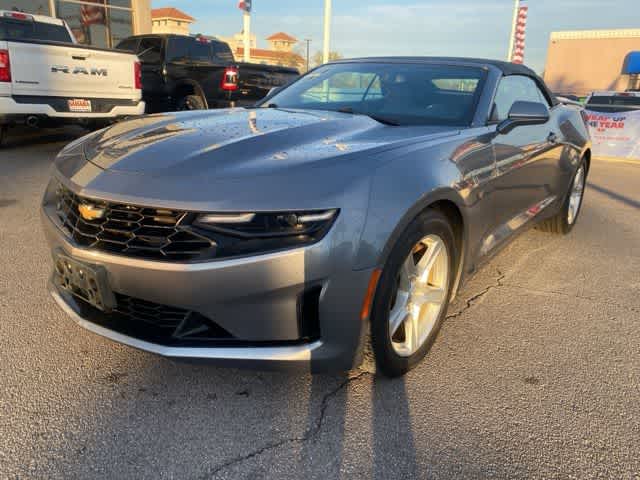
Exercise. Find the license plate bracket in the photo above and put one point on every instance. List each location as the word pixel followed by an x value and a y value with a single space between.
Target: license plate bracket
pixel 79 105
pixel 85 281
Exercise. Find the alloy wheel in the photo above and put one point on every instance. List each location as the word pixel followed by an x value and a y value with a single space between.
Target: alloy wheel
pixel 575 197
pixel 421 292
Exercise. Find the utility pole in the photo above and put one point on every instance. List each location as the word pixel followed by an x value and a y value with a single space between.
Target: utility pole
pixel 308 41
pixel 245 6
pixel 327 31
pixel 516 7
pixel 246 39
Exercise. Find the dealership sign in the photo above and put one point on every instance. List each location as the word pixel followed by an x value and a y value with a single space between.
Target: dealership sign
pixel 615 134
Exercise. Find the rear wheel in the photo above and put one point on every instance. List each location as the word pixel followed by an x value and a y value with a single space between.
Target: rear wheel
pixel 565 219
pixel 190 102
pixel 413 294
pixel 94 125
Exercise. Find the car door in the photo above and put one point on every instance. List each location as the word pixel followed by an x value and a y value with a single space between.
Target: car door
pixel 527 160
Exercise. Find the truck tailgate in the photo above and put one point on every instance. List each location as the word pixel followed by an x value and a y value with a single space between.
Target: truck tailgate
pixel 256 80
pixel 265 76
pixel 54 69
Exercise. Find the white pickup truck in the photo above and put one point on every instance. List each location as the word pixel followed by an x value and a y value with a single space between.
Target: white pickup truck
pixel 46 78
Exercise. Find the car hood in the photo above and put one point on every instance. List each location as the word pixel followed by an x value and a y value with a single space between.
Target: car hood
pixel 244 142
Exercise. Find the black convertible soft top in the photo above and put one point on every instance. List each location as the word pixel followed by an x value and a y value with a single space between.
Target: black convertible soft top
pixel 506 68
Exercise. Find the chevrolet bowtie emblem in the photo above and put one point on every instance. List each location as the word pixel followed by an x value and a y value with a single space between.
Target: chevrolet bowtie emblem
pixel 90 212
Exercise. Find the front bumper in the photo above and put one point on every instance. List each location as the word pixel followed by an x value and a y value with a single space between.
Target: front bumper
pixel 255 299
pixel 293 354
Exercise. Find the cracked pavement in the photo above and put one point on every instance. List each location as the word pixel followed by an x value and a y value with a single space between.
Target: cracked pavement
pixel 536 372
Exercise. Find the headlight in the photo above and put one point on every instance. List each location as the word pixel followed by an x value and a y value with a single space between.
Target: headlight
pixel 258 232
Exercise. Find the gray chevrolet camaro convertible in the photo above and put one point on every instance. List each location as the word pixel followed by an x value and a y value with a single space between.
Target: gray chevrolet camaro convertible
pixel 346 208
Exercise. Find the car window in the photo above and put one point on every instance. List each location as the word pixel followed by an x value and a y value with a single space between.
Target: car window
pixel 29 30
pixel 200 51
pixel 623 100
pixel 404 93
pixel 222 52
pixel 456 84
pixel 512 89
pixel 186 49
pixel 178 49
pixel 150 50
pixel 344 87
pixel 128 44
pixel 374 90
pixel 543 98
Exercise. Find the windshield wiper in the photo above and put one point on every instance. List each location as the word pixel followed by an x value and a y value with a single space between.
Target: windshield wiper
pixel 383 120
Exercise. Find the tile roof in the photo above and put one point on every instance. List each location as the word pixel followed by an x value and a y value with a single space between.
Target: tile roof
pixel 270 54
pixel 170 12
pixel 282 36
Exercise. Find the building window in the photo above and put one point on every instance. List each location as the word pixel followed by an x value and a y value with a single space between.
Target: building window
pixel 37 7
pixel 101 23
pixel 119 3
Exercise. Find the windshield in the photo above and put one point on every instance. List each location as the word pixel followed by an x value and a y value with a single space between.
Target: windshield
pixel 400 93
pixel 11 29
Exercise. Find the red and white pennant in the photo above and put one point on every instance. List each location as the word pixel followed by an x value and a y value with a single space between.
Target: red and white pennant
pixel 520 35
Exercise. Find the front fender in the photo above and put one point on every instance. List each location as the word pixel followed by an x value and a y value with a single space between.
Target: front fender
pixel 400 190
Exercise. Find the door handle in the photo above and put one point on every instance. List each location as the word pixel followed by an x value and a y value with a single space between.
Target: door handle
pixel 552 138
pixel 79 55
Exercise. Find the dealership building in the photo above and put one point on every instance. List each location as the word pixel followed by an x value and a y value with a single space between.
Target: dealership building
pixel 101 23
pixel 580 62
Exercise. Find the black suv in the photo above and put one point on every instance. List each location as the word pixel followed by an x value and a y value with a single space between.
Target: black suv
pixel 181 72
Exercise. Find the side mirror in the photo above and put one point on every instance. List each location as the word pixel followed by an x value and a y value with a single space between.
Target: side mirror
pixel 524 113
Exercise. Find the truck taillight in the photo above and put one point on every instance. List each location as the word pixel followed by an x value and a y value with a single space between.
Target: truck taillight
pixel 5 66
pixel 18 16
pixel 137 74
pixel 230 79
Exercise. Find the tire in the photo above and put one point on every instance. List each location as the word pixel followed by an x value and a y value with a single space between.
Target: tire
pixel 562 223
pixel 190 102
pixel 94 125
pixel 3 134
pixel 392 358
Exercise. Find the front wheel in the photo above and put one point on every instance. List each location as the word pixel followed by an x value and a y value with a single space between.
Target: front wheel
pixel 413 293
pixel 564 221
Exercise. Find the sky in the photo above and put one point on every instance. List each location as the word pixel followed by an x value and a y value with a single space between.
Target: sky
pixel 474 28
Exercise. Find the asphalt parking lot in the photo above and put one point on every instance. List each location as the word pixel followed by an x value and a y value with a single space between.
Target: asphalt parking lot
pixel 536 373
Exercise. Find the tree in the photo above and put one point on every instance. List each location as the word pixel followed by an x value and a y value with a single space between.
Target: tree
pixel 294 59
pixel 317 57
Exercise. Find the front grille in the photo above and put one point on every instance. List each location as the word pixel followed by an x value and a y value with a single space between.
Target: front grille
pixel 164 324
pixel 135 231
pixel 167 322
pixel 153 322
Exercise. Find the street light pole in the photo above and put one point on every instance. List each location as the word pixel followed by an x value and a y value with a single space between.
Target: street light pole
pixel 327 31
pixel 516 7
pixel 246 39
pixel 308 40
